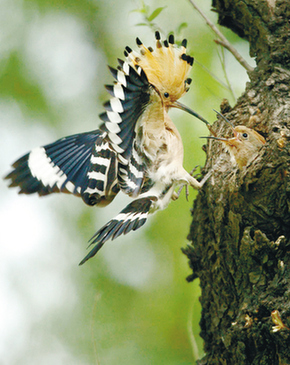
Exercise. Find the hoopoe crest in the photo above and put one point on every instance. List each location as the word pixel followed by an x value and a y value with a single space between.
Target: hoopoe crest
pixel 166 67
pixel 137 149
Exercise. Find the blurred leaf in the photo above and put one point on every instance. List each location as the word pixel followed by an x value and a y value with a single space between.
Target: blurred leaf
pixel 155 13
pixel 142 24
pixel 181 27
pixel 144 9
pixel 14 81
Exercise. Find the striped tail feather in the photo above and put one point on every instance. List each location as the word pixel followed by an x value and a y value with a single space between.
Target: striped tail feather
pixel 77 164
pixel 129 219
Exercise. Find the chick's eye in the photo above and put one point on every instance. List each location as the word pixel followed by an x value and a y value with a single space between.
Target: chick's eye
pixel 245 135
pixel 166 94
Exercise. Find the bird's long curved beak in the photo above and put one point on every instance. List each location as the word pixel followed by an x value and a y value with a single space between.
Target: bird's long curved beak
pixel 181 106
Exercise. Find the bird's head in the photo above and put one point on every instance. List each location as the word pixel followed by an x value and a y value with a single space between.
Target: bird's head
pixel 245 137
pixel 166 67
pixel 244 145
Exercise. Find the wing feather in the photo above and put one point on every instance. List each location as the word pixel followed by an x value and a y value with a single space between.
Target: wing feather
pixel 129 219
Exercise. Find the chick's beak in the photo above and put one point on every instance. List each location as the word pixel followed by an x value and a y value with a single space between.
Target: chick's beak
pixel 231 142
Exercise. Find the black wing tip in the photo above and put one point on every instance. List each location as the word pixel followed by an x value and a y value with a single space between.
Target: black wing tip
pixel 114 228
pixel 92 253
pixel 71 155
pixel 8 176
pixel 85 259
pixel 21 177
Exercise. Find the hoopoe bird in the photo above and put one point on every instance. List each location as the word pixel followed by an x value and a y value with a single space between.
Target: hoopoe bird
pixel 245 144
pixel 137 150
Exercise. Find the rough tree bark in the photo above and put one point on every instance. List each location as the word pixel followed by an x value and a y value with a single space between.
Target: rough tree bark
pixel 240 233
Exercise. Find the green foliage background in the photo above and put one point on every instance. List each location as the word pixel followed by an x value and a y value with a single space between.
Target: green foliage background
pixel 131 304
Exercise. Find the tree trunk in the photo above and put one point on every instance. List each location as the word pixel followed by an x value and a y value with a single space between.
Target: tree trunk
pixel 240 231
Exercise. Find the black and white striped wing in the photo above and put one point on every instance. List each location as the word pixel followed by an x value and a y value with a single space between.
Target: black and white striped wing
pixel 130 96
pixel 129 219
pixel 81 164
pixel 102 183
pixel 131 177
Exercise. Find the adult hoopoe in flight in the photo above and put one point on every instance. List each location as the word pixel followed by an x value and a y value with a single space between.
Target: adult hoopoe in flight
pixel 137 149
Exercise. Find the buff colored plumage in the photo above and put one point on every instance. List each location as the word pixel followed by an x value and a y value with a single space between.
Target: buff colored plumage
pixel 245 144
pixel 137 150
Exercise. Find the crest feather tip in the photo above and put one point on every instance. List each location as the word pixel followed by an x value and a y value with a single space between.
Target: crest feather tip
pixel 171 39
pixel 190 60
pixel 166 66
pixel 128 49
pixel 157 35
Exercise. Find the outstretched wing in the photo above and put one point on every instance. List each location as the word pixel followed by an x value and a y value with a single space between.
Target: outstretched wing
pixel 129 219
pixel 81 164
pixel 130 96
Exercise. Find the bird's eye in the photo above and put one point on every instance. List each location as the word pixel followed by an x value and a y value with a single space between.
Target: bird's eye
pixel 245 135
pixel 166 94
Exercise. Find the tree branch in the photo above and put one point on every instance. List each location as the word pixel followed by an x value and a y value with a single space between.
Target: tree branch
pixel 223 41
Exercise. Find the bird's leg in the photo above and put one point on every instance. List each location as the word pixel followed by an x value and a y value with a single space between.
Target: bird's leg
pixel 192 182
pixel 206 177
pixel 197 184
pixel 175 194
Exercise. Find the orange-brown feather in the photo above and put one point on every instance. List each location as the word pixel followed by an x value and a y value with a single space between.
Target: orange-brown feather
pixel 166 68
